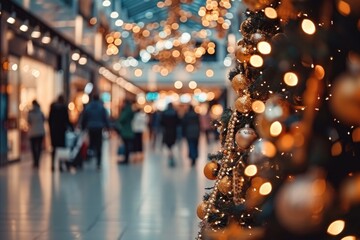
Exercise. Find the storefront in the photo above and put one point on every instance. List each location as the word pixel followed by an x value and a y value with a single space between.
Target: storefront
pixel 31 70
pixel 30 77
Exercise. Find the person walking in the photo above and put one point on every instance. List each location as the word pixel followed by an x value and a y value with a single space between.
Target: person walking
pixel 58 124
pixel 139 125
pixel 169 122
pixel 124 126
pixel 36 132
pixel 95 119
pixel 191 130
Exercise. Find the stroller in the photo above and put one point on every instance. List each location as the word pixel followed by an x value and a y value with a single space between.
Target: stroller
pixel 70 155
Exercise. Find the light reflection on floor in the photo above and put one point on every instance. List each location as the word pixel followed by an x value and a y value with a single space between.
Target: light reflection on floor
pixel 148 201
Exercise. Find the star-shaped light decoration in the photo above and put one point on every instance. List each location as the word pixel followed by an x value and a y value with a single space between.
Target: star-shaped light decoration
pixel 234 232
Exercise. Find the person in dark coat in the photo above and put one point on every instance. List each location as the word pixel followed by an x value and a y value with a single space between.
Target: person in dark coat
pixel 36 132
pixel 191 131
pixel 95 119
pixel 125 129
pixel 58 124
pixel 169 122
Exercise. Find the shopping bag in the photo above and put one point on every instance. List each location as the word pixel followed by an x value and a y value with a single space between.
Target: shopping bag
pixel 121 149
pixel 70 138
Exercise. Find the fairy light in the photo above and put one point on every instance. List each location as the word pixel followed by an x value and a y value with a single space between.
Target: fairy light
pixel 291 79
pixel 250 170
pixel 192 84
pixel 336 227
pixel 258 106
pixel 275 129
pixel 270 13
pixel 256 60
pixel 264 47
pixel 178 84
pixel 265 188
pixel 268 149
pixel 147 109
pixel 349 238
pixel 71 106
pixel 209 73
pixel 138 72
pixel 308 26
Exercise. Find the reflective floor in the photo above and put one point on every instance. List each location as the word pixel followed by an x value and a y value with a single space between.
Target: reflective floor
pixel 148 201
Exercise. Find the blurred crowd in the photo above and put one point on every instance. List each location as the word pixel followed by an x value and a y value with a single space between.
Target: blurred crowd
pixel 72 144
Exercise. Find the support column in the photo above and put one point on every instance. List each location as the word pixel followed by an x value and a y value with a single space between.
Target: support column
pixel 65 67
pixel 4 60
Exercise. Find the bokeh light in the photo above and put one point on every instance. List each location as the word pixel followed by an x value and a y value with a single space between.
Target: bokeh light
pixel 291 79
pixel 256 60
pixel 336 227
pixel 308 26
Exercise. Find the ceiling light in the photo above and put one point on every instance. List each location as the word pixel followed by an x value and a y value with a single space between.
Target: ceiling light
pixel 106 3
pixel 114 14
pixel 11 20
pixel 24 27
pixel 46 39
pixel 36 33
pixel 75 56
pixel 82 61
pixel 119 22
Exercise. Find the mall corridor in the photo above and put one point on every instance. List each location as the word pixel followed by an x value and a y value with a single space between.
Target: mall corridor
pixel 148 201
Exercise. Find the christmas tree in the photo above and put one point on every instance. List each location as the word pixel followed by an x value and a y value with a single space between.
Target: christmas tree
pixel 289 166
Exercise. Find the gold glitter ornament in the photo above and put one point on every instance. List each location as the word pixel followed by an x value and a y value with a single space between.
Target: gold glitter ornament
pixel 201 210
pixel 242 53
pixel 244 137
pixel 211 169
pixel 302 203
pixel 225 185
pixel 243 103
pixel 240 83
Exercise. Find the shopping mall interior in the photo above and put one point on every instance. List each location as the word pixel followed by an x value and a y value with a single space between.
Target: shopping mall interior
pixel 179 119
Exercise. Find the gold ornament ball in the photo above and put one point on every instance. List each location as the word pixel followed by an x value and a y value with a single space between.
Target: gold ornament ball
pixel 263 126
pixel 301 204
pixel 255 5
pixel 276 109
pixel 225 185
pixel 243 103
pixel 210 170
pixel 245 27
pixel 201 210
pixel 345 100
pixel 239 83
pixel 244 137
pixel 242 54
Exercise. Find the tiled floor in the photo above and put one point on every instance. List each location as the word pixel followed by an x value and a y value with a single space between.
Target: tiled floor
pixel 147 201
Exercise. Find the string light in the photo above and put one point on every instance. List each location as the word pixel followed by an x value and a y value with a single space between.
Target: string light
pixel 178 84
pixel 250 170
pixel 192 84
pixel 270 13
pixel 258 106
pixel 291 79
pixel 265 189
pixel 275 129
pixel 264 47
pixel 308 26
pixel 256 60
pixel 336 227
